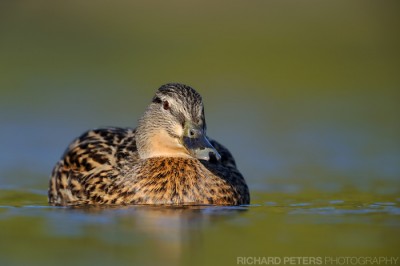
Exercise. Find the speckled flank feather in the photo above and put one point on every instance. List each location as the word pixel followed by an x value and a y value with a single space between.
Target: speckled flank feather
pixel 103 167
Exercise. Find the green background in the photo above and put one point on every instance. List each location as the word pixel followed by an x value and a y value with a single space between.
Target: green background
pixel 304 93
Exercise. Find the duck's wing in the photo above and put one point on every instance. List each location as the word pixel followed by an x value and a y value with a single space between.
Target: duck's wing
pixel 95 158
pixel 226 169
pixel 227 159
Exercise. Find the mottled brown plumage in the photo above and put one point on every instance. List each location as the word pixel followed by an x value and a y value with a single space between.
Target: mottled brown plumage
pixel 167 160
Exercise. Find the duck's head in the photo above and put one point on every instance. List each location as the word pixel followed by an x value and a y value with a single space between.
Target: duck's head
pixel 174 125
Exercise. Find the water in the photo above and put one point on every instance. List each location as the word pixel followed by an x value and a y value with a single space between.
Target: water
pixel 304 95
pixel 287 225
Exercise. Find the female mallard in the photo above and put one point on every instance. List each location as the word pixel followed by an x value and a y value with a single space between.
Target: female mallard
pixel 167 159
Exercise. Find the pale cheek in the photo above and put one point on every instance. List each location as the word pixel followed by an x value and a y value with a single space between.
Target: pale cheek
pixel 178 130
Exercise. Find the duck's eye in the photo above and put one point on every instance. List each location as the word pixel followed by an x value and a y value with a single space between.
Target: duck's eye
pixel 166 105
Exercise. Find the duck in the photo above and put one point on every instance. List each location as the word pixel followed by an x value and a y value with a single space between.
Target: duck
pixel 168 159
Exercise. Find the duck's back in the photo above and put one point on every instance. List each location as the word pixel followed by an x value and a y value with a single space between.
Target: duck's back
pixel 94 159
pixel 103 167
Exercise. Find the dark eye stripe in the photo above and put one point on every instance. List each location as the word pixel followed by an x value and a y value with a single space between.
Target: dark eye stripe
pixel 156 100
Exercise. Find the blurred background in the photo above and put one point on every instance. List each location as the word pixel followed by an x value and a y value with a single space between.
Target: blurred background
pixel 294 89
pixel 304 93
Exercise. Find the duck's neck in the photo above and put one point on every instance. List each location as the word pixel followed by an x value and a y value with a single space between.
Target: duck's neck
pixel 161 144
pixel 154 141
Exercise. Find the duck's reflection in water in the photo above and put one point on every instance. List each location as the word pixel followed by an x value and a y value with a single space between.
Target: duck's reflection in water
pixel 167 231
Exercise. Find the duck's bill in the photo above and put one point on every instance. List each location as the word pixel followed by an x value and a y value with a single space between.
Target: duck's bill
pixel 201 148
